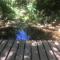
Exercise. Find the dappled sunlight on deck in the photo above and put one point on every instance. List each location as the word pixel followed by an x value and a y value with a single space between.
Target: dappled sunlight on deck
pixel 56 43
pixel 50 51
pixel 3 58
pixel 26 57
pixel 11 54
pixel 29 49
pixel 34 43
pixel 55 49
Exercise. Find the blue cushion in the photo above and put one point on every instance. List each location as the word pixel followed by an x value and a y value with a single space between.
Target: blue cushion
pixel 22 35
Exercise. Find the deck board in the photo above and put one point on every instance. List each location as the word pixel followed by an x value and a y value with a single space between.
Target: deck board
pixel 3 45
pixel 42 51
pixel 35 55
pixel 57 44
pixel 55 50
pixel 6 50
pixel 20 52
pixel 29 50
pixel 0 41
pixel 11 55
pixel 50 54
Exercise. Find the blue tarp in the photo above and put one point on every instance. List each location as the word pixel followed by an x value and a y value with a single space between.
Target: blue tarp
pixel 22 35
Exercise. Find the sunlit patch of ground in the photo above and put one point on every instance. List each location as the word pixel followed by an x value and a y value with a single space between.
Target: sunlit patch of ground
pixel 46 32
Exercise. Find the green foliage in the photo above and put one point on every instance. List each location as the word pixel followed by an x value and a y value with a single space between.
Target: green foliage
pixel 48 4
pixel 49 9
pixel 30 10
pixel 6 7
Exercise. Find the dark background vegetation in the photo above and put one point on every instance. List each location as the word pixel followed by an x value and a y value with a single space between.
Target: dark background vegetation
pixel 21 13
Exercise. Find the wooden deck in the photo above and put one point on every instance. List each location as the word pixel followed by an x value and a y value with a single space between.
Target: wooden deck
pixel 29 50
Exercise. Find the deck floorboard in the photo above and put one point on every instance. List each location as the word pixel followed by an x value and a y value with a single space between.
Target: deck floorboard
pixel 29 50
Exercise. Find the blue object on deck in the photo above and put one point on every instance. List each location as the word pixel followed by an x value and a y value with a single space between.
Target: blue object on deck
pixel 22 35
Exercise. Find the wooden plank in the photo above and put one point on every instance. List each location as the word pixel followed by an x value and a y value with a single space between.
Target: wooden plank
pixel 57 44
pixel 12 53
pixel 34 51
pixel 27 52
pixel 55 50
pixel 20 52
pixel 0 42
pixel 42 52
pixel 3 45
pixel 6 50
pixel 49 52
